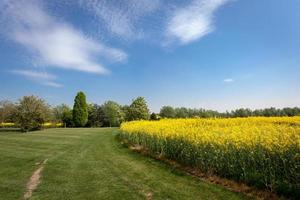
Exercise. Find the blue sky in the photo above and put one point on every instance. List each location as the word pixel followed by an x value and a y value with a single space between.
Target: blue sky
pixel 214 54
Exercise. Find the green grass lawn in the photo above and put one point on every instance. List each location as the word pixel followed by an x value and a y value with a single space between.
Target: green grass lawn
pixel 91 164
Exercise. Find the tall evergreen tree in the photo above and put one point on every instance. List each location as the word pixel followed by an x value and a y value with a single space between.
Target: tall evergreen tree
pixel 80 110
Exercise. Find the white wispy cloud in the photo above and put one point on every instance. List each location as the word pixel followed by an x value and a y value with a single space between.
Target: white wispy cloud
pixel 121 17
pixel 43 78
pixel 52 42
pixel 228 80
pixel 194 21
pixel 52 84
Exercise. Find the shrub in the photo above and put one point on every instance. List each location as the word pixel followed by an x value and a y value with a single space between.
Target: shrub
pixel 31 113
pixel 153 116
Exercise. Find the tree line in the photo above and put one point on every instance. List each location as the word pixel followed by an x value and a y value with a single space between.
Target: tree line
pixel 31 112
pixel 171 112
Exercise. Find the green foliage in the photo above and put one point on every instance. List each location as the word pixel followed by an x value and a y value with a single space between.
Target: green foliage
pixel 167 112
pixel 170 112
pixel 31 113
pixel 242 112
pixel 80 110
pixel 154 116
pixel 126 111
pixel 181 112
pixel 95 116
pixel 7 111
pixel 57 112
pixel 138 109
pixel 66 116
pixel 113 114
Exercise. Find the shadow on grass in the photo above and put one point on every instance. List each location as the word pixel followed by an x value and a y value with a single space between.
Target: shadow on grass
pixel 145 157
pixel 5 130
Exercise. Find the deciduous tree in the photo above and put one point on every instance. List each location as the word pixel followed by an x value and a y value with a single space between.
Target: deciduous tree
pixel 138 109
pixel 167 112
pixel 7 111
pixel 113 114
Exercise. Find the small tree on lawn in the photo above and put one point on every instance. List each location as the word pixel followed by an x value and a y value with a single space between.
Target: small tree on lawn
pixel 31 113
pixel 80 110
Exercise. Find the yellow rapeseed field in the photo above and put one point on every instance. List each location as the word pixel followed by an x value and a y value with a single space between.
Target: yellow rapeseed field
pixel 275 133
pixel 47 124
pixel 51 124
pixel 261 151
pixel 6 124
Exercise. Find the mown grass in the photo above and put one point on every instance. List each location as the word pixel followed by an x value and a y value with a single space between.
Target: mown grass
pixel 91 164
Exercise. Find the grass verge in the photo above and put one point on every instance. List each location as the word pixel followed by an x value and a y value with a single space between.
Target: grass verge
pixel 91 164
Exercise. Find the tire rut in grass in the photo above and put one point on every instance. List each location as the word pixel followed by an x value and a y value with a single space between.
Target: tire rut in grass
pixel 34 180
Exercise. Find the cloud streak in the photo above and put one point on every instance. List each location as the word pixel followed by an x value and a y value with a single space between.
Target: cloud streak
pixel 194 21
pixel 55 43
pixel 41 77
pixel 228 80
